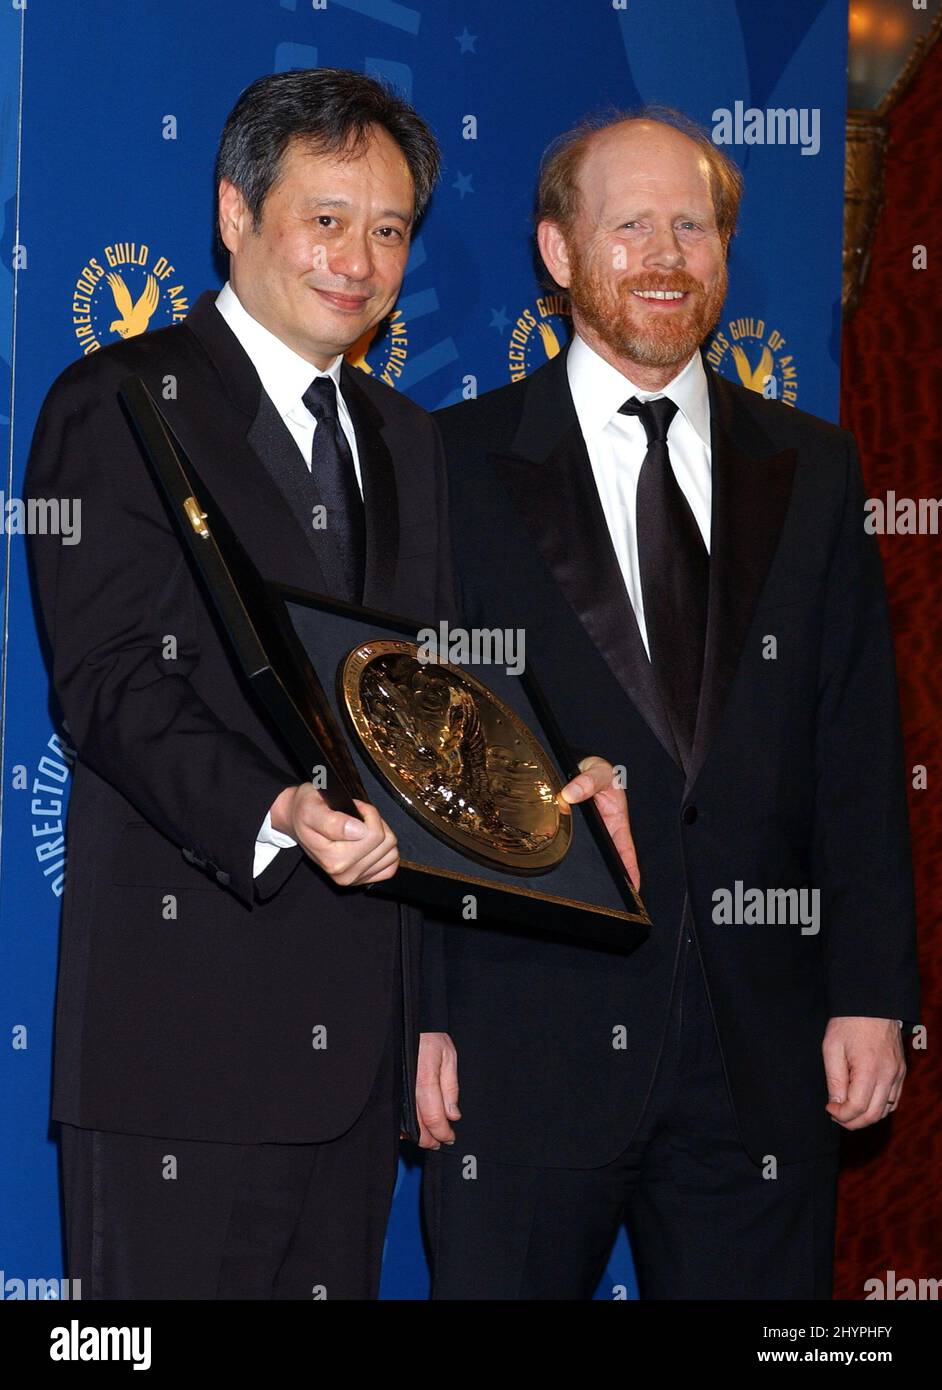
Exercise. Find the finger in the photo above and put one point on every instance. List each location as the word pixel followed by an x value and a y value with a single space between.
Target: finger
pixel 337 850
pixel 878 1107
pixel 579 789
pixel 430 1101
pixel 426 1140
pixel 885 1098
pixel 593 762
pixel 351 865
pixel 320 846
pixel 629 857
pixel 871 1116
pixel 360 871
pixel 372 819
pixel 595 775
pixel 896 1090
pixel 385 868
pixel 837 1074
pixel 370 858
pixel 624 843
pixel 431 1107
pixel 427 1070
pixel 450 1087
pixel 344 862
pixel 588 783
pixel 612 805
pixel 595 779
pixel 849 1112
pixel 317 817
pixel 859 1096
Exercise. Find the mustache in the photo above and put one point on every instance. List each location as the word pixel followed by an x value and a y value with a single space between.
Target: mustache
pixel 680 281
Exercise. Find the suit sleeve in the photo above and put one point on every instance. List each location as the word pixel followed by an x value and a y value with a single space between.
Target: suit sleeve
pixel 861 850
pixel 109 604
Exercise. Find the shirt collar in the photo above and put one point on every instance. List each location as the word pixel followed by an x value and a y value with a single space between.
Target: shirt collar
pixel 598 389
pixel 284 374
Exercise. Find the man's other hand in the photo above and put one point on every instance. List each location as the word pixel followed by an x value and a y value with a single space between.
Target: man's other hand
pixel 597 779
pixel 436 1090
pixel 865 1069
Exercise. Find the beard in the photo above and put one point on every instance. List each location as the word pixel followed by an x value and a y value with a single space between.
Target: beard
pixel 649 337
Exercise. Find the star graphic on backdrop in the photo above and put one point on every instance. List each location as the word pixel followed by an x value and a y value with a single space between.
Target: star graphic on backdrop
pixel 466 40
pixel 463 184
pixel 499 319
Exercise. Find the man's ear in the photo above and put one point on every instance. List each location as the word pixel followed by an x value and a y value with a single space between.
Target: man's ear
pixel 555 252
pixel 234 216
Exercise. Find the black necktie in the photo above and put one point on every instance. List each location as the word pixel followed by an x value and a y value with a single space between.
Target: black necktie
pixel 674 569
pixel 333 473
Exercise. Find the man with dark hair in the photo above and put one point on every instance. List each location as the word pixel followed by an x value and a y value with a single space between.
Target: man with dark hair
pixel 702 605
pixel 235 1019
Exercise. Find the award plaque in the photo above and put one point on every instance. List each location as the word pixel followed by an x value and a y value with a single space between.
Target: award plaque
pixel 459 759
pixel 464 762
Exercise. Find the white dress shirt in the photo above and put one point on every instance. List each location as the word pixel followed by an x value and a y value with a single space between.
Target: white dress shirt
pixel 617 444
pixel 285 376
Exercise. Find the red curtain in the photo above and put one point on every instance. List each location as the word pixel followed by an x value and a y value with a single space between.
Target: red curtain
pixel 890 1204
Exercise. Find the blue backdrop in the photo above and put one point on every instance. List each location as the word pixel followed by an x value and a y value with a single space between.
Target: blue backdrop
pixel 110 117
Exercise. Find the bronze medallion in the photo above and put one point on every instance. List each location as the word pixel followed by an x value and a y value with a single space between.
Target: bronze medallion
pixel 460 761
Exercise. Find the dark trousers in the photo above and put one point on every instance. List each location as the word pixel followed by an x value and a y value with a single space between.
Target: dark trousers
pixel 158 1218
pixel 704 1220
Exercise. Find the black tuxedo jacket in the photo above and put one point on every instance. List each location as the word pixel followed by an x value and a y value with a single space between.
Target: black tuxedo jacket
pixel 795 779
pixel 192 1000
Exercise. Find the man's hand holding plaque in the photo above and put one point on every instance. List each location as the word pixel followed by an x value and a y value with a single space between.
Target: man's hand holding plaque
pixel 597 780
pixel 356 852
pixel 445 774
pixel 351 852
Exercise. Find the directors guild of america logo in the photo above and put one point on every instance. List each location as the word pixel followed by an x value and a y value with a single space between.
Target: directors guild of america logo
pixel 124 290
pixel 748 351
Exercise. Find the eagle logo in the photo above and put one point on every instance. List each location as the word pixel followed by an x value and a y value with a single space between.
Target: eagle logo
pixel 133 317
pixel 388 341
pixel 538 334
pixel 755 378
pixel 741 341
pixel 550 341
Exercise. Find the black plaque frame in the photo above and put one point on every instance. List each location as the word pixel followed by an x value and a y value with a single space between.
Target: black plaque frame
pixel 280 637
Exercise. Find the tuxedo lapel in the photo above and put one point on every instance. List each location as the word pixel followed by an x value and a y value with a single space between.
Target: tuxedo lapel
pixel 751 489
pixel 232 455
pixel 549 478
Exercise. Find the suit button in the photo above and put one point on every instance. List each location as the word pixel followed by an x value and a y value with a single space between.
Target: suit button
pixel 689 815
pixel 222 877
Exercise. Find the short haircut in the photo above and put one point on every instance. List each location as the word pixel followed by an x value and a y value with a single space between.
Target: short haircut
pixel 332 111
pixel 558 192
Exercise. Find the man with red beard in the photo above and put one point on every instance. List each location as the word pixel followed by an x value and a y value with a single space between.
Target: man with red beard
pixel 703 606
